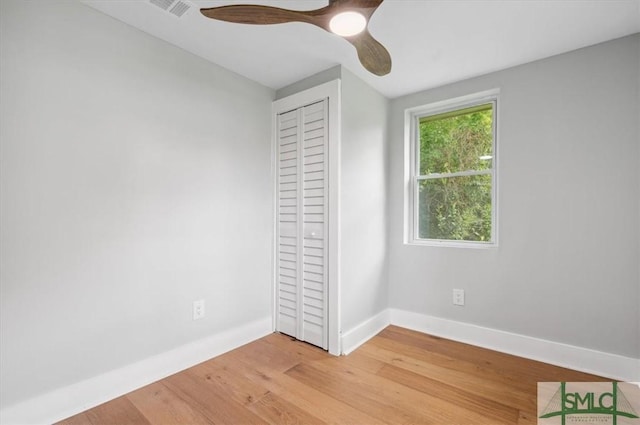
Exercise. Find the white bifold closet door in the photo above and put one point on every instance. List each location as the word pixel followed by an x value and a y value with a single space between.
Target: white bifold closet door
pixel 302 223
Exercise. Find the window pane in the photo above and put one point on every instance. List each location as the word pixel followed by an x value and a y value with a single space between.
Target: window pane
pixel 455 208
pixel 457 141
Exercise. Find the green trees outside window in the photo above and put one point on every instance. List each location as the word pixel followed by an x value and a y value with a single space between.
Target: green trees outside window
pixel 455 176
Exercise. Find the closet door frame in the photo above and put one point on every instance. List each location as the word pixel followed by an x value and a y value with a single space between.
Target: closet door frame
pixel 331 92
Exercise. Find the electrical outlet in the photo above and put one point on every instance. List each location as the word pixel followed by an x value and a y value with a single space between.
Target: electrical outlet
pixel 198 309
pixel 458 297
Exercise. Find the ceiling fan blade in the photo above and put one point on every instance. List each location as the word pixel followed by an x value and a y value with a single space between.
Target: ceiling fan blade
pixel 256 14
pixel 373 55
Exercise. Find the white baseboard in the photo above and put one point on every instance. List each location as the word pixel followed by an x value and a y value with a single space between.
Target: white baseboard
pixel 578 358
pixel 76 398
pixel 366 330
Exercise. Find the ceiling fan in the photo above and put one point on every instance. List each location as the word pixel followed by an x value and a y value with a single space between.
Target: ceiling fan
pixel 346 18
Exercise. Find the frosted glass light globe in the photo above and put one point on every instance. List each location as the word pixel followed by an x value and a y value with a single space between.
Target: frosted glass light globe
pixel 347 24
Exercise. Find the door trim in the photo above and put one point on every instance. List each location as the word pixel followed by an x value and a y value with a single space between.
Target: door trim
pixel 330 91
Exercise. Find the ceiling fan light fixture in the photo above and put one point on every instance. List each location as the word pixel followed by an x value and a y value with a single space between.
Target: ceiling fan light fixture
pixel 348 24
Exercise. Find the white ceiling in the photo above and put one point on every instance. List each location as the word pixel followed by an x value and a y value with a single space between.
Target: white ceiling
pixel 432 42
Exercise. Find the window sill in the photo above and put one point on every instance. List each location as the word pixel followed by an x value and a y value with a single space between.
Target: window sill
pixel 452 244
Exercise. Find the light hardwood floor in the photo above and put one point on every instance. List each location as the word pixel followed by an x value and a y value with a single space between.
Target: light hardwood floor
pixel 398 377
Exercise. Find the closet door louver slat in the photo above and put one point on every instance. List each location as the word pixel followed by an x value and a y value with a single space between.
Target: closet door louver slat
pixel 287 225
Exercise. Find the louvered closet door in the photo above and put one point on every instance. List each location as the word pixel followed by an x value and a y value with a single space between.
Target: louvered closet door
pixel 302 224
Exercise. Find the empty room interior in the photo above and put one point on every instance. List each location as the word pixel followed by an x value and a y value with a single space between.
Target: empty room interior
pixel 221 212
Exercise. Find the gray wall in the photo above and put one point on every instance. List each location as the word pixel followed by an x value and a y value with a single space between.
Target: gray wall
pixel 566 268
pixel 135 180
pixel 363 201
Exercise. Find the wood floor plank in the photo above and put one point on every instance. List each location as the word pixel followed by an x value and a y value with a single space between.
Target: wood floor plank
pixel 160 405
pixel 79 419
pixel 291 347
pixel 489 389
pixel 224 380
pixel 498 413
pixel 326 408
pixel 216 407
pixel 270 351
pixel 357 359
pixel 527 418
pixel 117 411
pixel 362 397
pixel 484 369
pixel 419 404
pixel 277 410
pixel 481 369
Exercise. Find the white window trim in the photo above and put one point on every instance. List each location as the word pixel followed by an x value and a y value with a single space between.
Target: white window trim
pixel 411 133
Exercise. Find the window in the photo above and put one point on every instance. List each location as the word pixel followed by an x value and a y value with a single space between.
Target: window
pixel 452 178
